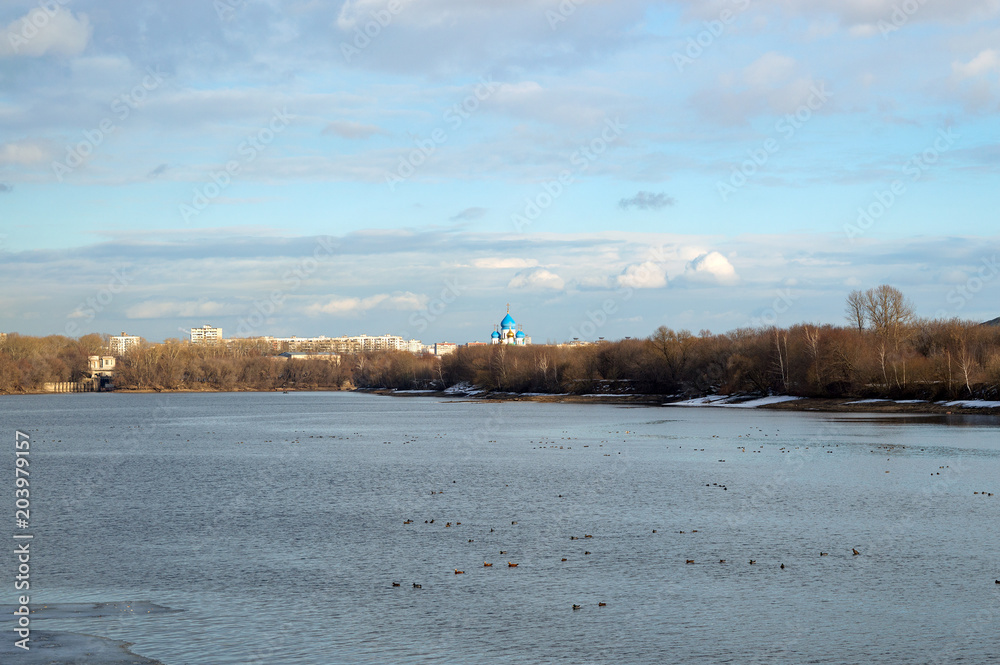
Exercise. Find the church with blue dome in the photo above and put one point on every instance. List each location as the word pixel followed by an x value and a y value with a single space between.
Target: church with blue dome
pixel 508 332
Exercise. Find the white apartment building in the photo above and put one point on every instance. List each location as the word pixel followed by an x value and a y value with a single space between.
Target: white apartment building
pixel 120 344
pixel 444 348
pixel 206 335
pixel 345 344
pixel 416 346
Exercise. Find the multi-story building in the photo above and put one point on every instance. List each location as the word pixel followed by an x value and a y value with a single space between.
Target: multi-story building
pixel 416 346
pixel 120 344
pixel 321 344
pixel 444 348
pixel 345 344
pixel 379 343
pixel 101 365
pixel 206 335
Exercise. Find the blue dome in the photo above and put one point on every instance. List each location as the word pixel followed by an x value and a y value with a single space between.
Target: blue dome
pixel 520 334
pixel 508 322
pixel 495 335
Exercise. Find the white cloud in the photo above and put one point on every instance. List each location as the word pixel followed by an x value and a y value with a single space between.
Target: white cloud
pixel 495 263
pixel 43 30
pixel 987 61
pixel 864 30
pixel 23 153
pixel 400 300
pixel 352 130
pixel 864 12
pixel 646 275
pixel 355 13
pixel 516 93
pixel 172 308
pixel 711 268
pixel 768 70
pixel 537 280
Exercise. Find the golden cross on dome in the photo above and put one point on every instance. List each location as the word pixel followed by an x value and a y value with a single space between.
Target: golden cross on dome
pixel 508 308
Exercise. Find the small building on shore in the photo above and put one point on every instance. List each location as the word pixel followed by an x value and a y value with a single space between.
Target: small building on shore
pixel 289 355
pixel 101 365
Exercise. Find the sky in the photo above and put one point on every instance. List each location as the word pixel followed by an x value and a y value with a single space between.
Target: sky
pixel 410 167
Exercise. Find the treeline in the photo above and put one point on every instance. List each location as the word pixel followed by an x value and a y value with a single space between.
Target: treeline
pixel 883 352
pixel 27 363
pixel 933 360
pixel 241 366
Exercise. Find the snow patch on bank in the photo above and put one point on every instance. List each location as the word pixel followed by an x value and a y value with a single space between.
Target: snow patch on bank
pixel 880 400
pixel 974 404
pixel 735 402
pixel 463 388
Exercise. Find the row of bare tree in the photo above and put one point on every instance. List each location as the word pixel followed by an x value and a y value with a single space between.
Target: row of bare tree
pixel 884 351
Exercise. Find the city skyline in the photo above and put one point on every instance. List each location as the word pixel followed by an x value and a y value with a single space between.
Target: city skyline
pixel 410 166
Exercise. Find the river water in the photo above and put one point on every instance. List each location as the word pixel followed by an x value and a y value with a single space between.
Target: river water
pixel 276 524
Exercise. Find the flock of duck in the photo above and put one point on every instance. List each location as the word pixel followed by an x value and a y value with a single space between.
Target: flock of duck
pixel 548 443
pixel 854 551
pixel 511 564
pixel 489 564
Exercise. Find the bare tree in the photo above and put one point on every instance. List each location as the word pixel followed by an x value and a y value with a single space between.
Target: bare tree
pixel 856 310
pixel 812 344
pixel 781 336
pixel 889 314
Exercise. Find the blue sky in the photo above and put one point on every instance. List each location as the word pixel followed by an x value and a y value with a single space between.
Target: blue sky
pixel 411 166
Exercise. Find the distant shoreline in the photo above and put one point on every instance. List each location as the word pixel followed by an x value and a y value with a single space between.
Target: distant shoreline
pixel 815 404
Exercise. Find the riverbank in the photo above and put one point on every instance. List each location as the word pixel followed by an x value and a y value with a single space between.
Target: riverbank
pixel 784 403
pixel 142 391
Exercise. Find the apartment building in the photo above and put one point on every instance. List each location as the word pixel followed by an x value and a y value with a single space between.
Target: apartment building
pixel 120 344
pixel 206 335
